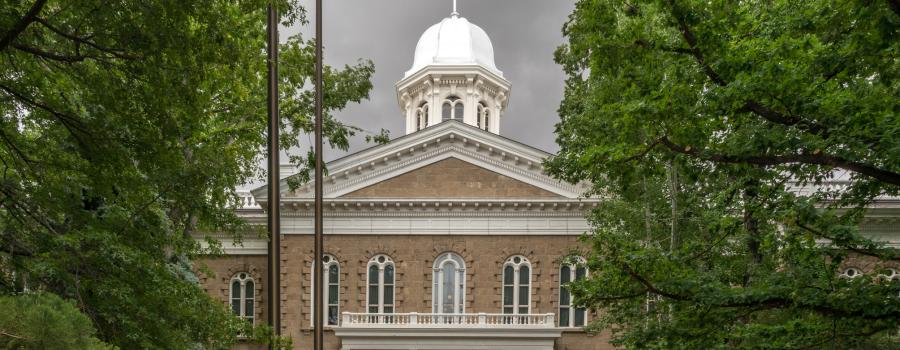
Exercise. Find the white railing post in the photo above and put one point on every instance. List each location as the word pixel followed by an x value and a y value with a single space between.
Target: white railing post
pixel 439 320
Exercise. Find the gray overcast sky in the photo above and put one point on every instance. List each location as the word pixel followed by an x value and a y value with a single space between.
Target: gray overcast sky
pixel 524 34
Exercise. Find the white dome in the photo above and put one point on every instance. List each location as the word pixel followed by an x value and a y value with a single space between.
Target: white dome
pixel 454 41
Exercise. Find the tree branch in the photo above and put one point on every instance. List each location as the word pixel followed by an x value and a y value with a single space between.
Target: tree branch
pixel 3 333
pixel 751 105
pixel 83 40
pixel 651 45
pixel 49 55
pixel 822 159
pixel 643 153
pixel 23 23
pixel 784 119
pixel 773 302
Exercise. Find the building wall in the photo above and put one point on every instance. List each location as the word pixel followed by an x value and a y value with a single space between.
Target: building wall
pixel 413 257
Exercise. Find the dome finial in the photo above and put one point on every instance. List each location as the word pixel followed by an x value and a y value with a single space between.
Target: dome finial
pixel 454 14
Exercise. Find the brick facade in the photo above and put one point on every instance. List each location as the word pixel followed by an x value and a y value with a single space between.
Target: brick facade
pixel 414 257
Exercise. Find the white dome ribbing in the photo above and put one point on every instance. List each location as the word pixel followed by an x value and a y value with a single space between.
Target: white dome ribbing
pixel 454 41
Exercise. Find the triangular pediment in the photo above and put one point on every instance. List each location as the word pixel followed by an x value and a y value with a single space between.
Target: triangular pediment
pixel 448 160
pixel 451 178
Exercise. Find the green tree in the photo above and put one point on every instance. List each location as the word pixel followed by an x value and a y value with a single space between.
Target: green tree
pixel 697 121
pixel 44 321
pixel 125 127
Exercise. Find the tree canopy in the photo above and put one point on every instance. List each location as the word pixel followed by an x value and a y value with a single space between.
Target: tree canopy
pixel 699 122
pixel 46 322
pixel 125 127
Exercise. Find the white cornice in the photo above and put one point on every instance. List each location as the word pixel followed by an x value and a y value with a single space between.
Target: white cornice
pixel 435 225
pixel 417 207
pixel 441 70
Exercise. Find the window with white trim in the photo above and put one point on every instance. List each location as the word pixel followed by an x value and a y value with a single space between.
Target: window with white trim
pixel 452 108
pixel 380 282
pixel 851 272
pixel 242 296
pixel 483 117
pixel 890 274
pixel 331 286
pixel 422 116
pixel 517 285
pixel 449 284
pixel 570 316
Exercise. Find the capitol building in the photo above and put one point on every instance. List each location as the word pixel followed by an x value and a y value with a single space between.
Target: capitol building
pixel 450 237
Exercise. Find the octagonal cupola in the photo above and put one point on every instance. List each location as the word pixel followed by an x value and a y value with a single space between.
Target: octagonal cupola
pixel 453 77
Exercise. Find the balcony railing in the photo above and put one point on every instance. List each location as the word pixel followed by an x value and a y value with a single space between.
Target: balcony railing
pixel 429 320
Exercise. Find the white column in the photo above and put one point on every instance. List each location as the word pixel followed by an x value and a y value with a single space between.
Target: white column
pixel 469 100
pixel 435 117
pixel 410 118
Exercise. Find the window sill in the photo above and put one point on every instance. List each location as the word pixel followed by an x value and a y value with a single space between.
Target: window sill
pixel 574 330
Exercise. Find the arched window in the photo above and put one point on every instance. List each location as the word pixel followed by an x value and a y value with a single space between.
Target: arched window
pixel 449 284
pixel 381 285
pixel 458 111
pixel 242 296
pixel 483 119
pixel 418 120
pixel 479 120
pixel 452 109
pixel 516 285
pixel 446 111
pixel 331 290
pixel 851 272
pixel 890 274
pixel 570 272
pixel 422 116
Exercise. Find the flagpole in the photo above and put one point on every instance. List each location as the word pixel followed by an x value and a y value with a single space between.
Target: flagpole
pixel 273 265
pixel 318 308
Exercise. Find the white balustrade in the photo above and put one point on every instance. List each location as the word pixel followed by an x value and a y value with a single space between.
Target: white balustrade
pixel 434 320
pixel 245 201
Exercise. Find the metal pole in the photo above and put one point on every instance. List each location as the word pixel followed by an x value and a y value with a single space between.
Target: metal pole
pixel 318 308
pixel 273 266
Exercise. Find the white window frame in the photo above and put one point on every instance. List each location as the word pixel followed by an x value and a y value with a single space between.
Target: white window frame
pixel 573 265
pixel 453 101
pixel 851 273
pixel 422 116
pixel 381 264
pixel 242 278
pixel 329 262
pixel 893 274
pixel 511 261
pixel 483 116
pixel 459 283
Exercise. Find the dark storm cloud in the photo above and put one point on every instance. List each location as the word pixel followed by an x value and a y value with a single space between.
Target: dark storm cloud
pixel 524 34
